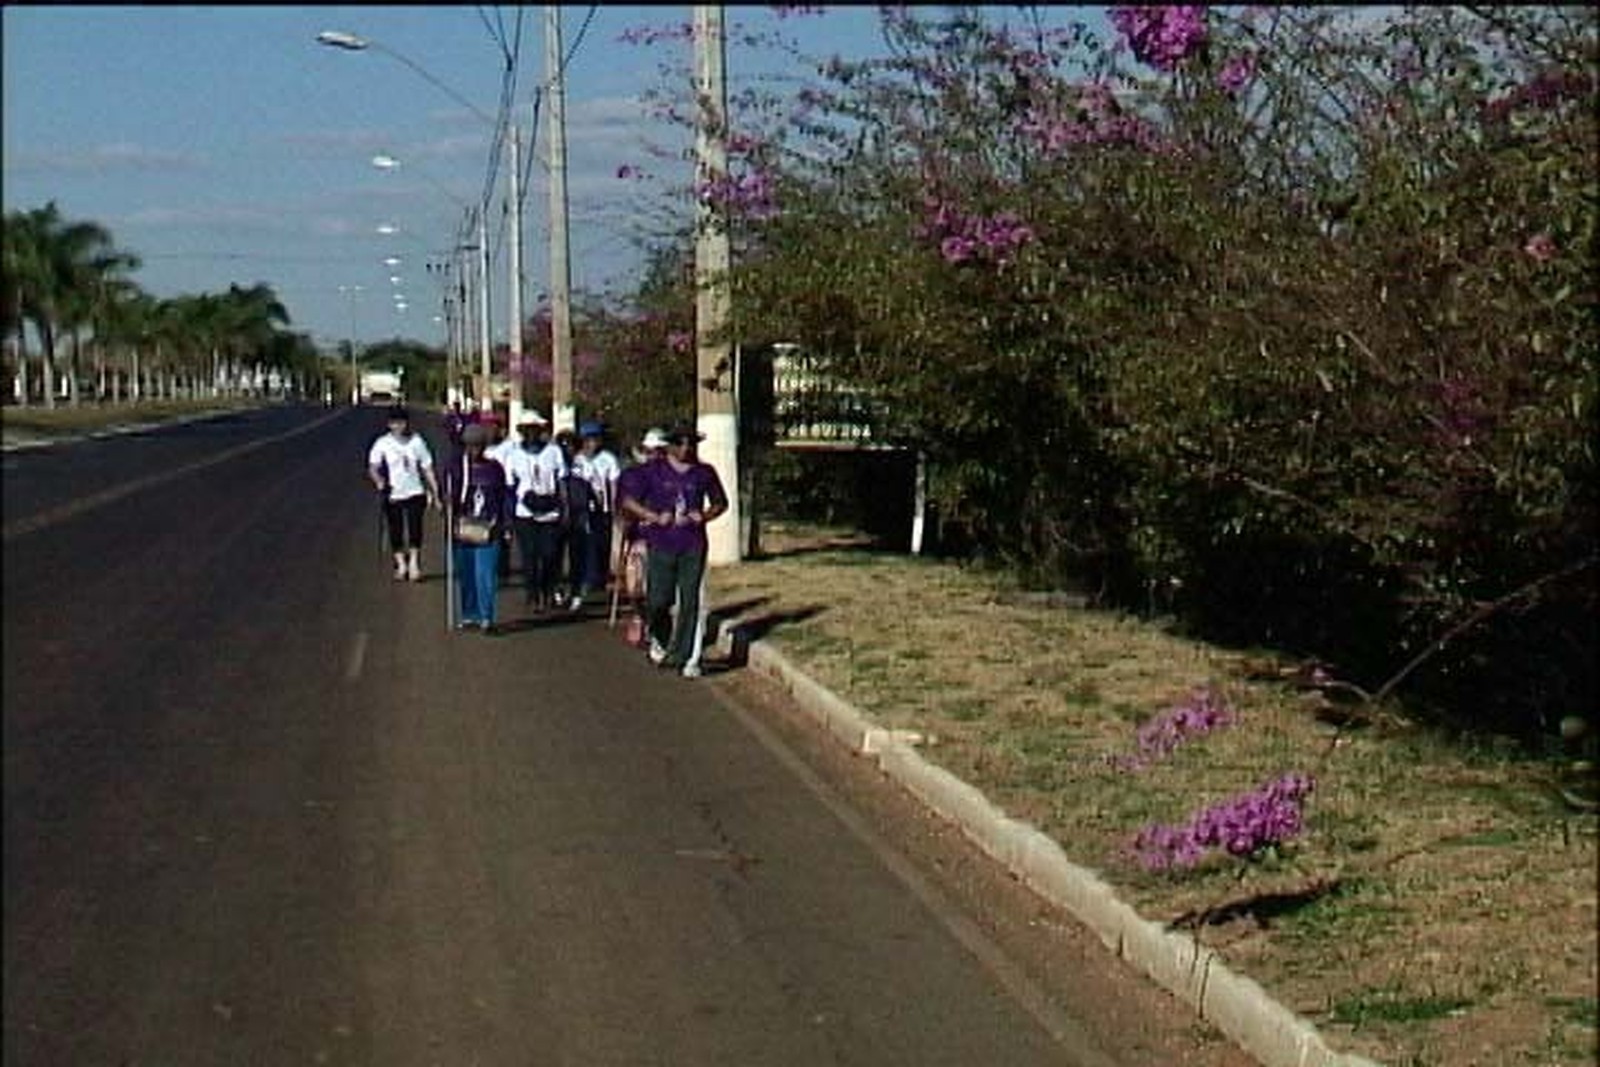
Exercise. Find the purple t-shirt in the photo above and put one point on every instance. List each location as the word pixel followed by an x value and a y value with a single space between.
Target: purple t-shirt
pixel 661 489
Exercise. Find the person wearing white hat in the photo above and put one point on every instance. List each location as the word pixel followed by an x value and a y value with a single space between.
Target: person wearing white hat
pixel 628 551
pixel 535 469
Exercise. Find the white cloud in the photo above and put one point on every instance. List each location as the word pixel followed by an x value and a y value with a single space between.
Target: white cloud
pixel 118 156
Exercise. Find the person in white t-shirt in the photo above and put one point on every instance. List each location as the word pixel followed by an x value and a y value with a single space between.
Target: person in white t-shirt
pixel 599 467
pixel 535 469
pixel 401 466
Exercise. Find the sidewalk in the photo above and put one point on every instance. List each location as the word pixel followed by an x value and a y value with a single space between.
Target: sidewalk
pixel 1438 907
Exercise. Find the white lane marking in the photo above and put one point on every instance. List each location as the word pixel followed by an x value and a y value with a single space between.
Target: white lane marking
pixel 108 496
pixel 358 657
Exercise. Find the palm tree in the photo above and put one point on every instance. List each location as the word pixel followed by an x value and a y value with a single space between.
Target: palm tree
pixel 59 262
pixel 24 276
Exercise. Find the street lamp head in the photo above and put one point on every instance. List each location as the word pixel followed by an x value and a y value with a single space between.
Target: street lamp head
pixel 385 162
pixel 339 39
pixel 388 229
pixel 391 261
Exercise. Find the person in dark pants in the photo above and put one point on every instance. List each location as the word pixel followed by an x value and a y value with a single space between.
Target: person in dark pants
pixel 673 500
pixel 599 468
pixel 535 471
pixel 401 466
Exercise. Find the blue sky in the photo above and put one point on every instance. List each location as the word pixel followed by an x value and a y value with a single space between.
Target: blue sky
pixel 223 144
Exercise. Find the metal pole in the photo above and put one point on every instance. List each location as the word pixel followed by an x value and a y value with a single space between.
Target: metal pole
pixel 714 375
pixel 486 403
pixel 563 416
pixel 514 203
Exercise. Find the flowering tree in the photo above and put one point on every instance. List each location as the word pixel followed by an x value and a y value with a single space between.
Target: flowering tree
pixel 1290 309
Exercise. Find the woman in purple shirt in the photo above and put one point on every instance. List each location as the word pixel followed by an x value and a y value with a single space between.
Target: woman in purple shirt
pixel 475 487
pixel 673 499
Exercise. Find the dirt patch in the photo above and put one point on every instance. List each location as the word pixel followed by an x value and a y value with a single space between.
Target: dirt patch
pixel 1438 909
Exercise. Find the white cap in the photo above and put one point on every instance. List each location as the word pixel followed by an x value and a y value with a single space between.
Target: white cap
pixel 653 439
pixel 530 417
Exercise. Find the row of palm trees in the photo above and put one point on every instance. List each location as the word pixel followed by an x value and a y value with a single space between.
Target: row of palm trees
pixel 112 340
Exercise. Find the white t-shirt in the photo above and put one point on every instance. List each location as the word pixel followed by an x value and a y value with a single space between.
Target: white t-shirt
pixel 539 473
pixel 602 471
pixel 401 460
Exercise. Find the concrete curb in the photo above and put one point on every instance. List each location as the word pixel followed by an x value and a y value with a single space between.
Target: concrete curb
pixel 1237 1006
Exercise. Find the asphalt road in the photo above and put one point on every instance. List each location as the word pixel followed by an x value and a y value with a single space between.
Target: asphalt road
pixel 262 808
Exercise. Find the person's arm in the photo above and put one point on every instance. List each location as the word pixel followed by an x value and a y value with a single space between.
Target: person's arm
pixel 375 468
pixel 717 500
pixel 425 461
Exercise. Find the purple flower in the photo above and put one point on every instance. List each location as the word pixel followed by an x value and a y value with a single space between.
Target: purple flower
pixel 1204 711
pixel 1244 826
pixel 628 170
pixel 1162 35
pixel 679 341
pixel 1237 73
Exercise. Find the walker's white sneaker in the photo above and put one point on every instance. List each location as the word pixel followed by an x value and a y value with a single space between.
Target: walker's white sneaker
pixel 575 604
pixel 692 670
pixel 657 654
pixel 399 572
pixel 414 573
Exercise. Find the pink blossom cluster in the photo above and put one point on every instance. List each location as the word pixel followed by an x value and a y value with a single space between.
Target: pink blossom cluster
pixel 1244 826
pixel 1204 711
pixel 1237 73
pixel 751 195
pixel 1095 119
pixel 1545 90
pixel 985 238
pixel 1162 35
pixel 1541 248
pixel 679 341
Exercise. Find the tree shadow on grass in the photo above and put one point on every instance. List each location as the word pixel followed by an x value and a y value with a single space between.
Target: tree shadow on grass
pixel 748 630
pixel 1262 908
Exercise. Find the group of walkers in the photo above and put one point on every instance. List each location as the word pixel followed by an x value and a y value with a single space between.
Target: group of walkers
pixel 583 523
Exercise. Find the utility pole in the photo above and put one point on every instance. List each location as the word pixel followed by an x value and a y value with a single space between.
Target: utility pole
pixel 486 403
pixel 717 417
pixel 514 203
pixel 562 414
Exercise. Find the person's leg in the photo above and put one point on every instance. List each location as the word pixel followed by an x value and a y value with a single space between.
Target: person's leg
pixel 414 509
pixel 597 576
pixel 691 664
pixel 661 570
pixel 466 583
pixel 527 550
pixel 394 516
pixel 547 551
pixel 577 564
pixel 691 570
pixel 488 581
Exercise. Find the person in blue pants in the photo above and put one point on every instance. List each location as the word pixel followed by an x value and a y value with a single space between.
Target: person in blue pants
pixel 480 509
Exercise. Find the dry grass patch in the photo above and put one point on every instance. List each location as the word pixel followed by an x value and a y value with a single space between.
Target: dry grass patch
pixel 63 420
pixel 1440 908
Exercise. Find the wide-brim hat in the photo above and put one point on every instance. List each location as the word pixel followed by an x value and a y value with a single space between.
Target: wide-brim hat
pixel 683 432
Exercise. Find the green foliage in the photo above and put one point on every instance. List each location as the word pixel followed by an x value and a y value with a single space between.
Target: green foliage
pixel 1312 354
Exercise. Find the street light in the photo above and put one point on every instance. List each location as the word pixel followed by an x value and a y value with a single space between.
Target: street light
pixel 352 42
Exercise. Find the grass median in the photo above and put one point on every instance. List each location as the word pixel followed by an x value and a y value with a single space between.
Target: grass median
pixel 1440 907
pixel 39 422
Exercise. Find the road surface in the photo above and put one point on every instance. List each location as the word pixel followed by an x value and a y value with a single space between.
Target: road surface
pixel 262 808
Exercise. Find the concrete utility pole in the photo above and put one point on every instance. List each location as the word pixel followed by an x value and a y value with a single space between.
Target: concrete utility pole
pixel 562 416
pixel 486 403
pixel 514 204
pixel 717 417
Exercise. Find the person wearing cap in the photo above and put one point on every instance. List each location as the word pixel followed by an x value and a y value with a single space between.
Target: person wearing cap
pixel 400 465
pixel 628 552
pixel 534 470
pixel 673 499
pixel 477 491
pixel 598 468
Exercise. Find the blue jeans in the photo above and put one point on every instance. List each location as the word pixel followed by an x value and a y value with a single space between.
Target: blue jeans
pixel 478 577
